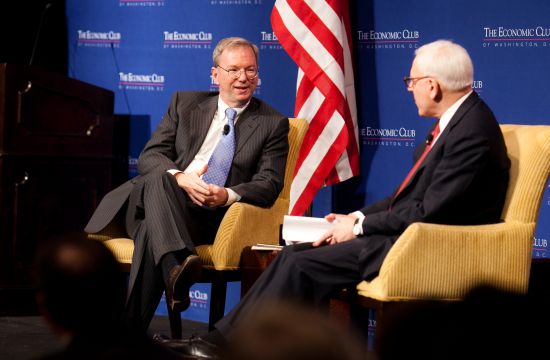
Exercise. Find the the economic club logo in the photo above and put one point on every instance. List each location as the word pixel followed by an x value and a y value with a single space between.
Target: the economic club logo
pixel 236 2
pixel 141 82
pixel 269 41
pixel 393 39
pixel 186 40
pixel 395 137
pixel 519 37
pixel 89 38
pixel 141 3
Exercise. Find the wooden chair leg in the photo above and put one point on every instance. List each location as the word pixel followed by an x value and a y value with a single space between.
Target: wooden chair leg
pixel 217 300
pixel 360 314
pixel 175 323
pixel 379 325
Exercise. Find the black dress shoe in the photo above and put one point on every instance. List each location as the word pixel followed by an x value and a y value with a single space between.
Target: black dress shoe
pixel 160 338
pixel 182 277
pixel 194 347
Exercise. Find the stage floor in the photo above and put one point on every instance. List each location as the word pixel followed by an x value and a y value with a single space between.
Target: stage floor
pixel 28 337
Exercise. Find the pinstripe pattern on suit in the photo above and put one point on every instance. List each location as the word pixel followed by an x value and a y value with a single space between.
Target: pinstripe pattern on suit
pixel 159 216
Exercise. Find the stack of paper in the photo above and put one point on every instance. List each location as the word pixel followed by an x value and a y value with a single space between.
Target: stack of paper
pixel 304 229
pixel 266 247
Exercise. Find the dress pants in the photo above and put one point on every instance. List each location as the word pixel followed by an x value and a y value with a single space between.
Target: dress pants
pixel 161 219
pixel 300 273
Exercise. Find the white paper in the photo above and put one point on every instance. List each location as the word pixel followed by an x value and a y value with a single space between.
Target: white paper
pixel 304 229
pixel 266 247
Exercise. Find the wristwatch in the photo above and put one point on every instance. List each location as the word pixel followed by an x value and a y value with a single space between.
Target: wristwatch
pixel 357 227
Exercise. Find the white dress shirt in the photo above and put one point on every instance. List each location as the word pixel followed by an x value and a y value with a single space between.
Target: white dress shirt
pixel 212 138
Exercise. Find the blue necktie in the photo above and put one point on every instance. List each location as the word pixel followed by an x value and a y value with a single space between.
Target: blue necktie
pixel 222 157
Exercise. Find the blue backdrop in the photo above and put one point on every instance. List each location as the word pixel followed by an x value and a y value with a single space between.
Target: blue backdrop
pixel 146 50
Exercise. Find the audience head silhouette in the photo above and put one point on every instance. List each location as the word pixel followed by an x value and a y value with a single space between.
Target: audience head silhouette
pixel 286 331
pixel 488 323
pixel 80 285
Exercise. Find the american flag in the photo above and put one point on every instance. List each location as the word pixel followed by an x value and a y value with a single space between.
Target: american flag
pixel 316 35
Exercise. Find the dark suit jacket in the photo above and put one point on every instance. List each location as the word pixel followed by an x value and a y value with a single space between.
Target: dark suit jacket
pixel 257 171
pixel 462 181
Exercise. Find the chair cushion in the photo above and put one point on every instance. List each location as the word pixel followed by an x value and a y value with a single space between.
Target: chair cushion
pixel 444 262
pixel 122 248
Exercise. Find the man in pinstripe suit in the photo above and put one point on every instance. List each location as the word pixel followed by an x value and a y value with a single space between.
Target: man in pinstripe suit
pixel 169 208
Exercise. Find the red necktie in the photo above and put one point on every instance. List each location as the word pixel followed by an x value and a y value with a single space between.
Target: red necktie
pixel 430 141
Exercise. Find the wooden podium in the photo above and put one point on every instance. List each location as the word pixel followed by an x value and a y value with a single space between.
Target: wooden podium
pixel 55 165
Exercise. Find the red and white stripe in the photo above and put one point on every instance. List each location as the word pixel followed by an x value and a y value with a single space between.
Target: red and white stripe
pixel 316 35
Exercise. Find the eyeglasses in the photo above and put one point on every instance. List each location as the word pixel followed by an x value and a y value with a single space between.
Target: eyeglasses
pixel 410 82
pixel 251 73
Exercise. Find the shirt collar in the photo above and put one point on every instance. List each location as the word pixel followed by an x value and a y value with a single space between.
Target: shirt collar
pixel 449 113
pixel 222 106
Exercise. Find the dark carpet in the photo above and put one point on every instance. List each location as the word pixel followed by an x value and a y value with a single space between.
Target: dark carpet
pixel 26 337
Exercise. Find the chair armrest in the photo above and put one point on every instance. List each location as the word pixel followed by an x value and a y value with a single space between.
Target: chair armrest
pixel 246 225
pixel 115 229
pixel 243 225
pixel 115 238
pixel 445 262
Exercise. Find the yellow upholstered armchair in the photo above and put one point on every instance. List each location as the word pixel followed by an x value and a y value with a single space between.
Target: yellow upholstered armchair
pixel 442 262
pixel 243 225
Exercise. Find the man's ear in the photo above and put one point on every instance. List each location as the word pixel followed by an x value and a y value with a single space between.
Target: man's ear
pixel 214 73
pixel 435 90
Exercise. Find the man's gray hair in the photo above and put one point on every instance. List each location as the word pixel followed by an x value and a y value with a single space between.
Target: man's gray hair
pixel 448 62
pixel 232 42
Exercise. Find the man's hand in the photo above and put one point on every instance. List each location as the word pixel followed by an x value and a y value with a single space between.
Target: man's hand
pixel 193 185
pixel 340 232
pixel 217 196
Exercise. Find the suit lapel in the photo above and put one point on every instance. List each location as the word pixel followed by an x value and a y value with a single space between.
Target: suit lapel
pixel 246 125
pixel 460 112
pixel 463 109
pixel 199 122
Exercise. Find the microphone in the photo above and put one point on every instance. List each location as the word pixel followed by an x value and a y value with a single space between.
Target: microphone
pixel 46 7
pixel 225 129
pixel 429 138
